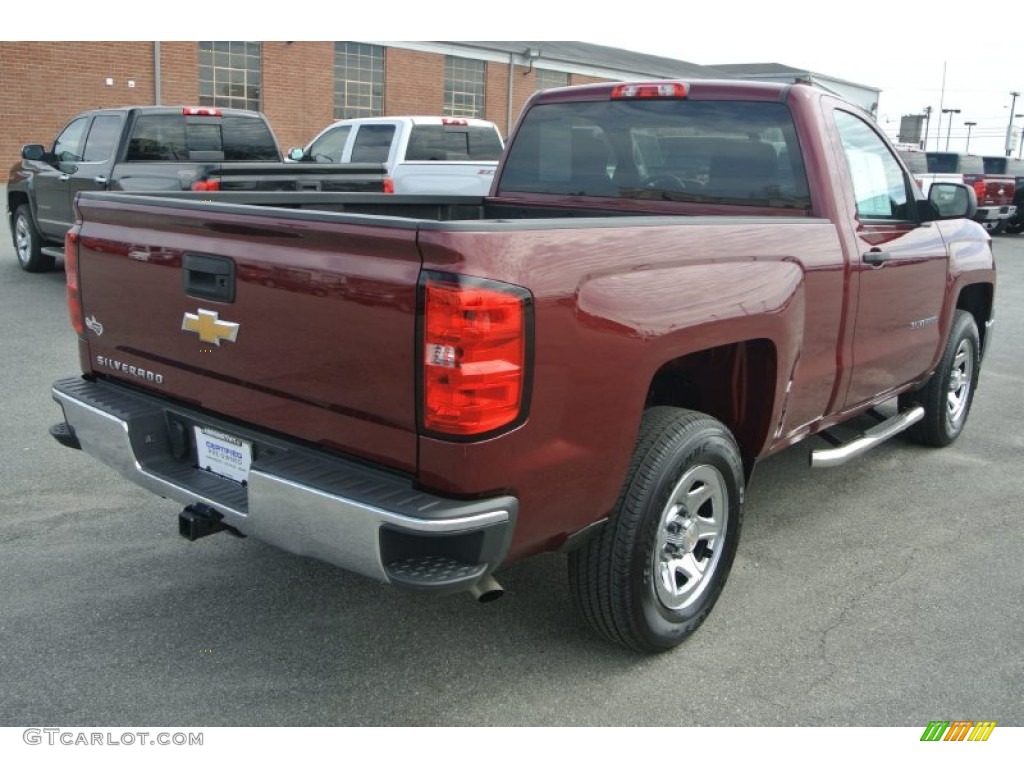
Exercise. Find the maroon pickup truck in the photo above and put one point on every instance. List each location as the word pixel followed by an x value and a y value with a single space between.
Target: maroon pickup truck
pixel 668 282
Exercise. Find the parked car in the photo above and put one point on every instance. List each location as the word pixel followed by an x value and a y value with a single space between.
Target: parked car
pixel 1004 182
pixel 930 167
pixel 423 155
pixel 155 149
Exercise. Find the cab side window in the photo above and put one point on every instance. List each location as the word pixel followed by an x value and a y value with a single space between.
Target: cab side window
pixel 880 187
pixel 103 136
pixel 68 146
pixel 330 147
pixel 373 144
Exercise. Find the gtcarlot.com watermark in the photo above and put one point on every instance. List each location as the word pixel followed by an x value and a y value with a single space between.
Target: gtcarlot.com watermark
pixel 72 738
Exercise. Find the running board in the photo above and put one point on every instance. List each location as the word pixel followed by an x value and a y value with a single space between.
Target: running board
pixel 833 457
pixel 57 253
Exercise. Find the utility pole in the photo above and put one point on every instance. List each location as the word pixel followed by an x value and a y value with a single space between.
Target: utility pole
pixel 942 100
pixel 1009 127
pixel 970 124
pixel 927 122
pixel 949 128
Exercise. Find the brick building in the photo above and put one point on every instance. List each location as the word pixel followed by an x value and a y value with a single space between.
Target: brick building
pixel 301 86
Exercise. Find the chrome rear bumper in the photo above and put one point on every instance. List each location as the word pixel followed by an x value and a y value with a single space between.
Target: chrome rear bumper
pixel 303 500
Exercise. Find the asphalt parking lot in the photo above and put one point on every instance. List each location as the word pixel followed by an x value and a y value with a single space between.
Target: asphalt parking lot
pixel 883 593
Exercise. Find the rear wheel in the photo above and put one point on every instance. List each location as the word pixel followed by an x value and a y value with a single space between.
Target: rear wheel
pixel 652 575
pixel 28 243
pixel 948 395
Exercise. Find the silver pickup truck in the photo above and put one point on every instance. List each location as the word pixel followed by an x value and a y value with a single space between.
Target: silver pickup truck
pixel 422 155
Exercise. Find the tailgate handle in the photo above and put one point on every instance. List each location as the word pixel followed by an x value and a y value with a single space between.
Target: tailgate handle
pixel 209 277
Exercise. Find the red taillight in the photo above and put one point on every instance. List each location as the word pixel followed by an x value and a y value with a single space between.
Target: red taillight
pixel 389 185
pixel 475 350
pixel 650 91
pixel 454 121
pixel 71 277
pixel 201 111
pixel 208 185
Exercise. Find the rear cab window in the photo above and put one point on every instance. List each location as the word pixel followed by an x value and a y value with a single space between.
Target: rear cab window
pixel 440 142
pixel 953 162
pixel 731 152
pixel 171 137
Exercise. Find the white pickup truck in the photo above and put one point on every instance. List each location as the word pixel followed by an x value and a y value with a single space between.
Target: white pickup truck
pixel 423 155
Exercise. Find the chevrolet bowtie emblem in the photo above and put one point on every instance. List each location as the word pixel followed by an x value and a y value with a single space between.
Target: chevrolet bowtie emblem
pixel 210 328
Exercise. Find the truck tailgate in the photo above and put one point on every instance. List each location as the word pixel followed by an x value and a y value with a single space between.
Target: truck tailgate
pixel 303 326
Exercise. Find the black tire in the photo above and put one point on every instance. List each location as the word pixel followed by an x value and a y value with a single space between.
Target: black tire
pixel 948 395
pixel 28 243
pixel 1013 227
pixel 997 228
pixel 653 573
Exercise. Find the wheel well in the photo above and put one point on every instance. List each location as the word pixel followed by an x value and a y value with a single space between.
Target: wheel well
pixel 734 383
pixel 14 199
pixel 977 299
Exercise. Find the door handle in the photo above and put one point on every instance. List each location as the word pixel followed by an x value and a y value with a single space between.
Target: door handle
pixel 101 180
pixel 876 257
pixel 64 177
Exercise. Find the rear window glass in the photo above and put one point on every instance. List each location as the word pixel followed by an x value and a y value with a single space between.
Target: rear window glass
pixel 1004 166
pixel 916 162
pixel 736 152
pixel 453 143
pixel 175 138
pixel 952 162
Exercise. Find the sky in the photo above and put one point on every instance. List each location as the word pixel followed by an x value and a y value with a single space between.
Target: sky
pixel 942 60
pixel 904 51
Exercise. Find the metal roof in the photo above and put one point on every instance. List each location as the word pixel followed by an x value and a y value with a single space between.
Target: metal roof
pixel 588 54
pixel 781 70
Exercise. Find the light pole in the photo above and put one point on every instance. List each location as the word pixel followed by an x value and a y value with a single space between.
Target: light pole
pixel 949 128
pixel 927 122
pixel 1009 128
pixel 970 124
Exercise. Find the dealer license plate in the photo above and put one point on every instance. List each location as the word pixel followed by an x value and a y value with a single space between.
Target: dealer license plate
pixel 223 454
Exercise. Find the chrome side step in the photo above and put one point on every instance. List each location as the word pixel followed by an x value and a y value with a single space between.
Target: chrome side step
pixel 833 457
pixel 57 253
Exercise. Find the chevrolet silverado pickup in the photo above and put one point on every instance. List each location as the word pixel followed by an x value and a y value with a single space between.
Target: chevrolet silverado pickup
pixel 667 282
pixel 423 155
pixel 1004 184
pixel 154 149
pixel 992 211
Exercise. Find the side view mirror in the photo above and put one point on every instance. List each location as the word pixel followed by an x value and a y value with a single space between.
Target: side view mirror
pixel 33 152
pixel 953 201
pixel 296 153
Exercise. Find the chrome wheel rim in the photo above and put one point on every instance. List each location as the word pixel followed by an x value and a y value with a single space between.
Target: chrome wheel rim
pixel 960 378
pixel 22 240
pixel 690 537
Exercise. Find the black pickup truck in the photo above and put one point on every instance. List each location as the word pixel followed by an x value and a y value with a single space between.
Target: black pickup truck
pixel 155 149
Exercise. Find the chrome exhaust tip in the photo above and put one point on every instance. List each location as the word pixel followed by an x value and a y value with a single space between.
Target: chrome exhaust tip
pixel 487 590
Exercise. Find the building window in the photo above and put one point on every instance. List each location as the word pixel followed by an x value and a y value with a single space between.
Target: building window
pixel 358 80
pixel 229 75
pixel 464 86
pixel 547 78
